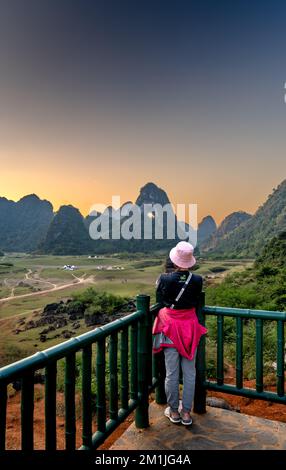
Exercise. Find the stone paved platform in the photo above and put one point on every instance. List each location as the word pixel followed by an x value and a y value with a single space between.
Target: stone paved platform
pixel 216 430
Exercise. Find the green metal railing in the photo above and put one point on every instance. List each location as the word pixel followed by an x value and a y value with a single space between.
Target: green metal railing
pixel 126 372
pixel 131 379
pixel 240 315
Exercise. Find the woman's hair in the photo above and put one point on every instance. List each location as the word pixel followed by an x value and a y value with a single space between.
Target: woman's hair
pixel 169 266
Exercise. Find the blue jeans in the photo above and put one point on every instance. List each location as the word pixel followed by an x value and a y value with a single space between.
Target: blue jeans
pixel 172 362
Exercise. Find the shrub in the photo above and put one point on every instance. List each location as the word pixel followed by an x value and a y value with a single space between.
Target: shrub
pixel 218 269
pixel 267 271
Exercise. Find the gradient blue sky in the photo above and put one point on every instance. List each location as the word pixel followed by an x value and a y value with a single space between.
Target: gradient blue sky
pixel 100 97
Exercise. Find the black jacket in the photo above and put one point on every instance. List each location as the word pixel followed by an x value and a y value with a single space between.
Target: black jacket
pixel 169 285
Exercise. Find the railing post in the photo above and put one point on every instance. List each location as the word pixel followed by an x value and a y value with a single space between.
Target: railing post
pixel 3 414
pixel 280 358
pixel 50 406
pixel 141 413
pixel 149 324
pixel 27 411
pixel 239 352
pixel 101 390
pixel 70 427
pixel 124 386
pixel 86 397
pixel 220 351
pixel 200 390
pixel 113 379
pixel 259 355
pixel 133 361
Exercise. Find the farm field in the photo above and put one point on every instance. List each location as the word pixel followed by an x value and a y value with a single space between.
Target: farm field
pixel 28 283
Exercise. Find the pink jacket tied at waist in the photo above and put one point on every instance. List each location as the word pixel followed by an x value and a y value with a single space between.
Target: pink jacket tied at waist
pixel 182 328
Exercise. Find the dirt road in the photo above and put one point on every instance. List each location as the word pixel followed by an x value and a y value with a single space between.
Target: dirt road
pixel 78 280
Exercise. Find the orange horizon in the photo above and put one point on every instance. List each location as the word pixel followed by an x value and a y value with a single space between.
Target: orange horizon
pixel 84 202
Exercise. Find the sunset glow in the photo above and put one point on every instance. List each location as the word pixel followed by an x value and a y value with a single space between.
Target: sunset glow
pixel 197 112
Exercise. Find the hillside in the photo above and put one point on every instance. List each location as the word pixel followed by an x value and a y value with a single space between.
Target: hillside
pixel 67 234
pixel 227 226
pixel 273 255
pixel 149 194
pixel 206 228
pixel 24 224
pixel 30 225
pixel 249 239
pixel 262 286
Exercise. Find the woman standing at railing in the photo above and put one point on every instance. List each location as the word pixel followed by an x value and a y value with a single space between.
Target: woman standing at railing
pixel 177 330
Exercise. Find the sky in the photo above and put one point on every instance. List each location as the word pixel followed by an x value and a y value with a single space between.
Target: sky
pixel 97 98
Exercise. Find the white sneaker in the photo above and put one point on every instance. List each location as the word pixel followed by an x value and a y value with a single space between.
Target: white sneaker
pixel 173 416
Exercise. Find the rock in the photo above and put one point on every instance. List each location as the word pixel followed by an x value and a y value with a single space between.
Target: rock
pixel 91 319
pixel 47 330
pixel 61 322
pixel 220 403
pixel 50 319
pixel 67 334
pixel 75 309
pixel 42 321
pixel 51 309
pixel 44 332
pixel 76 325
pixel 43 338
pixel 31 324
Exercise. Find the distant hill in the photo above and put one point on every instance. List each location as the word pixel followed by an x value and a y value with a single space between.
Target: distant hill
pixel 30 225
pixel 227 226
pixel 24 224
pixel 67 234
pixel 150 193
pixel 206 228
pixel 250 238
pixel 260 286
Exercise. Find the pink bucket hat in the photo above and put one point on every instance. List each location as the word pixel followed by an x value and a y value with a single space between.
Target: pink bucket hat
pixel 182 255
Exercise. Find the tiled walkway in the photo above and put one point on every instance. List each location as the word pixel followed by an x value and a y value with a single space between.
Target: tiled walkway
pixel 217 429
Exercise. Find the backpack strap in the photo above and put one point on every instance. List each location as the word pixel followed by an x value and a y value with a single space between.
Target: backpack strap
pixel 181 291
